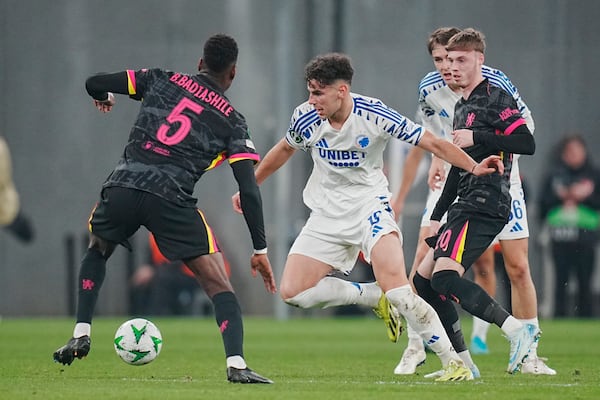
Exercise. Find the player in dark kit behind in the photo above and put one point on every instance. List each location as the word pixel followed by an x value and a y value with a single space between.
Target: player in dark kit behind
pixel 185 127
pixel 486 121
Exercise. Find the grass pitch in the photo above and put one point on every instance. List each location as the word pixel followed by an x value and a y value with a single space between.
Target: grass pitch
pixel 337 358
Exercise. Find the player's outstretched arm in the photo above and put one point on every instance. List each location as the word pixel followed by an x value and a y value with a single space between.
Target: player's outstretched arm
pixel 251 206
pixel 457 157
pixel 488 165
pixel 519 141
pixel 273 160
pixel 105 106
pixel 102 86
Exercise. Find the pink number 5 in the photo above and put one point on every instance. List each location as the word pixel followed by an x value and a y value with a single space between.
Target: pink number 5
pixel 185 124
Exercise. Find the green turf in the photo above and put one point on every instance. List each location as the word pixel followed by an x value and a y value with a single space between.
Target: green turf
pixel 344 358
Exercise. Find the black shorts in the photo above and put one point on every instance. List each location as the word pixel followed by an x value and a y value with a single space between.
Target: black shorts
pixel 466 235
pixel 180 232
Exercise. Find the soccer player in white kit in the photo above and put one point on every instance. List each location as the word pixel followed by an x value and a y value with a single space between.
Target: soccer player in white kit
pixel 437 98
pixel 348 194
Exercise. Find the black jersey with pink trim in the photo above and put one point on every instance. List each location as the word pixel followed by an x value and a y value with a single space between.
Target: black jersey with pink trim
pixel 489 110
pixel 185 127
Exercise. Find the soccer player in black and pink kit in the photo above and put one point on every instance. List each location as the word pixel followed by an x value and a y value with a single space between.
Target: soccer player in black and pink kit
pixel 486 121
pixel 185 127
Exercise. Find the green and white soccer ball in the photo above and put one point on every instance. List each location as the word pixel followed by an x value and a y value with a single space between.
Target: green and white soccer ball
pixel 138 341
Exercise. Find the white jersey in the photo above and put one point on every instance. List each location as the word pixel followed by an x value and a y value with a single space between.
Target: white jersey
pixel 348 163
pixel 437 101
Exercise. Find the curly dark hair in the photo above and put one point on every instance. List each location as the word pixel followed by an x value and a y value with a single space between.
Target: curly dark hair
pixel 220 52
pixel 328 68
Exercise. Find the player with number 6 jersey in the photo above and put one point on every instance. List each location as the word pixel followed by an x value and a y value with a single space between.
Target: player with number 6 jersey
pixel 185 127
pixel 438 95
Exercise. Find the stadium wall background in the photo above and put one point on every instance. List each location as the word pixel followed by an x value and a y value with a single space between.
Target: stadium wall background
pixel 63 149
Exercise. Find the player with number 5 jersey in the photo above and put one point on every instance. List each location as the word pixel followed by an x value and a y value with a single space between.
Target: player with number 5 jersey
pixel 185 126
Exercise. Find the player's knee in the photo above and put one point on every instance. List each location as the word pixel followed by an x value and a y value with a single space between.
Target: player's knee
pixel 308 298
pixel 518 271
pixel 296 301
pixel 287 292
pixel 102 246
pixel 421 284
pixel 444 281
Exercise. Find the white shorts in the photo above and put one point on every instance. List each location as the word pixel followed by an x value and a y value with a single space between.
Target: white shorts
pixel 432 198
pixel 517 226
pixel 337 242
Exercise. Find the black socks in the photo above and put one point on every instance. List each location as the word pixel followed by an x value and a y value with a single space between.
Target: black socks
pixel 91 277
pixel 445 310
pixel 469 295
pixel 229 319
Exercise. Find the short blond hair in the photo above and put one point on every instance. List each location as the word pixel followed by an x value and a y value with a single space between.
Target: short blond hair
pixel 466 40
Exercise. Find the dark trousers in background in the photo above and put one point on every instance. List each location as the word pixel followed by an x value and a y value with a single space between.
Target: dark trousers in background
pixel 573 259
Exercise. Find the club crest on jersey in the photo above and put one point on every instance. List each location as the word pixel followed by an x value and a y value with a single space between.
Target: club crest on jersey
pixel 470 119
pixel 362 142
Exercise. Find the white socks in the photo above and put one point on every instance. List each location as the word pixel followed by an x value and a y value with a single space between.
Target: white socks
pixel 466 357
pixel 480 328
pixel 330 292
pixel 236 362
pixel 414 339
pixel 424 320
pixel 82 329
pixel 511 326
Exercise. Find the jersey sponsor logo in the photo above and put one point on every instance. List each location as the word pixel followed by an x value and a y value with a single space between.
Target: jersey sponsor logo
pixel 444 113
pixel 149 146
pixel 339 158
